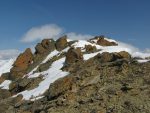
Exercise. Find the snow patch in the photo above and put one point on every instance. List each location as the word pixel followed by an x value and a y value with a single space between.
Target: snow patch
pixel 5 84
pixel 52 74
pixel 143 61
pixel 52 54
pixel 5 65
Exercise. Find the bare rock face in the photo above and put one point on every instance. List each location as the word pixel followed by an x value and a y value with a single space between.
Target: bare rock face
pixel 22 62
pixel 103 42
pixel 47 45
pixel 109 57
pixel 39 49
pixel 1 80
pixel 4 94
pixel 90 48
pixel 60 86
pixel 124 54
pixel 61 43
pixel 73 55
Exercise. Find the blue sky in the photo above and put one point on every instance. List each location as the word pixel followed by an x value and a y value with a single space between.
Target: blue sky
pixel 124 20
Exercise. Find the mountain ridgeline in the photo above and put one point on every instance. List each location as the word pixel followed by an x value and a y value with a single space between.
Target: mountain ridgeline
pixel 98 75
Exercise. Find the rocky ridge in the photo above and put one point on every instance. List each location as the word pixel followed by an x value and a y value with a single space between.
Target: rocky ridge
pixel 67 76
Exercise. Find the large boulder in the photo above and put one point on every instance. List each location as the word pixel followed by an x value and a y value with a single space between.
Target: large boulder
pixel 73 55
pixel 22 62
pixel 104 42
pixel 110 57
pixel 61 43
pixel 47 45
pixel 60 86
pixel 90 48
pixel 123 54
pixel 4 94
pixel 39 49
pixel 107 57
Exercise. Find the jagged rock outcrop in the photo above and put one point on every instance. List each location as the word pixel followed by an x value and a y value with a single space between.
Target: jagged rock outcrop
pixel 103 42
pixel 74 55
pixel 123 54
pixel 90 48
pixel 21 64
pixel 109 57
pixel 4 94
pixel 95 83
pixel 47 45
pixel 60 86
pixel 61 43
pixel 41 51
pixel 24 84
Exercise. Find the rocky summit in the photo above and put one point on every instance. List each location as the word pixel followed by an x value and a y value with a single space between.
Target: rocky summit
pixel 99 75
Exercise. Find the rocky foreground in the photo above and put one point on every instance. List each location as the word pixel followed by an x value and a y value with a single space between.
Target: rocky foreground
pixel 89 79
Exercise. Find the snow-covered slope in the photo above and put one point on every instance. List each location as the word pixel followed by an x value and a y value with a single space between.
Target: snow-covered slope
pixel 54 72
pixel 5 65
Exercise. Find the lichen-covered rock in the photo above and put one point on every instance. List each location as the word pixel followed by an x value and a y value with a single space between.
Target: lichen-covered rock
pixel 39 49
pixel 74 55
pixel 106 57
pixel 61 43
pixel 109 57
pixel 4 94
pixel 90 48
pixel 60 86
pixel 24 84
pixel 21 64
pixel 103 42
pixel 123 54
pixel 47 45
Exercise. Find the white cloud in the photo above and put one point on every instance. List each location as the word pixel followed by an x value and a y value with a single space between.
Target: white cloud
pixel 10 53
pixel 41 32
pixel 147 50
pixel 129 46
pixel 76 36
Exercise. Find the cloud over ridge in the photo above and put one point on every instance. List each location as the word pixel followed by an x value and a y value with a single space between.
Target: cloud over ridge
pixel 9 53
pixel 41 32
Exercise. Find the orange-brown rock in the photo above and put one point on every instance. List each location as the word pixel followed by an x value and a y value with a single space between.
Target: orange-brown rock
pixel 47 45
pixel 123 54
pixel 22 62
pixel 90 48
pixel 42 50
pixel 60 85
pixel 103 42
pixel 73 55
pixel 39 49
pixel 61 43
pixel 24 59
pixel 107 57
